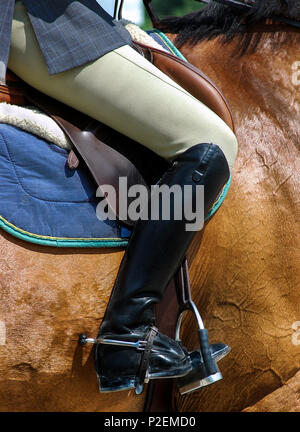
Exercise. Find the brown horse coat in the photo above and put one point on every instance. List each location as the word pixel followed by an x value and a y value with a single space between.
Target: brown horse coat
pixel 246 275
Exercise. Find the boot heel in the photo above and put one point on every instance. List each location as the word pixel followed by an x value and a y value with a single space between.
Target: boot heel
pixel 113 384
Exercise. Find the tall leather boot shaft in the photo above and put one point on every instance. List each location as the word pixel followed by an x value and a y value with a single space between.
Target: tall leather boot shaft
pixel 156 247
pixel 154 253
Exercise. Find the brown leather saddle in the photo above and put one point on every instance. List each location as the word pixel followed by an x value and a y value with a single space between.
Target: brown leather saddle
pixel 110 155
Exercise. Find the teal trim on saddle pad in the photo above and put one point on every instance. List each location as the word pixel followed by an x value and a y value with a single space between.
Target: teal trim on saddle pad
pixel 220 200
pixel 60 242
pixel 169 44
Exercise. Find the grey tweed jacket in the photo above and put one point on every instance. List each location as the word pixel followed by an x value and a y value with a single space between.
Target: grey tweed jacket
pixel 70 32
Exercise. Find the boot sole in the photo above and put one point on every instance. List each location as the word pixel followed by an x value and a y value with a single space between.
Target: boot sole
pixel 107 385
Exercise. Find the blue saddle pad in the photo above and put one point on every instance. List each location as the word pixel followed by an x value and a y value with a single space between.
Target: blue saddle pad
pixel 43 201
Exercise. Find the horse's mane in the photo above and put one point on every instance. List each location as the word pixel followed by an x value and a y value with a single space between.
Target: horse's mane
pixel 219 20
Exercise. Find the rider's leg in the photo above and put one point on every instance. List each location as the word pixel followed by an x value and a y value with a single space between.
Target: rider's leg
pixel 129 94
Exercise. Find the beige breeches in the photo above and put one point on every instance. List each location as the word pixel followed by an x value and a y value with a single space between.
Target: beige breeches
pixel 126 92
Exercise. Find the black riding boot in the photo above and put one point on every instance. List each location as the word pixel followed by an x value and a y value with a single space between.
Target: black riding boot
pixel 154 253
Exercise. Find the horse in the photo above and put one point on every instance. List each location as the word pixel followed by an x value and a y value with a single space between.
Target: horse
pixel 245 276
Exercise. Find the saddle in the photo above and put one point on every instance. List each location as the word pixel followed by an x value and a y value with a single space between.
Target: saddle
pixel 107 153
pixel 110 155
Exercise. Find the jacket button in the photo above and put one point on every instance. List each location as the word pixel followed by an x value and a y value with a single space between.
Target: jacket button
pixel 197 176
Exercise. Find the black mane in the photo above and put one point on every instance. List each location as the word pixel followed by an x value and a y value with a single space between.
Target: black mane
pixel 219 20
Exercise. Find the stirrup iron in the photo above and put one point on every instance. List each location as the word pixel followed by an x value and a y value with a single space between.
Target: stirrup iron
pixel 205 369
